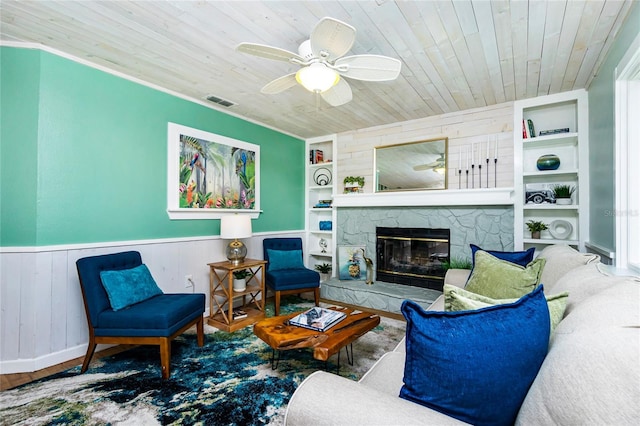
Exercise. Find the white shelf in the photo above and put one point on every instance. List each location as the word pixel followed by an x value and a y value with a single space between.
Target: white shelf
pixel 575 207
pixel 541 173
pixel 550 241
pixel 313 194
pixel 562 110
pixel 320 254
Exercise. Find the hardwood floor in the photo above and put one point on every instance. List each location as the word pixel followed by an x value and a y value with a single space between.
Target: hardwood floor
pixel 9 381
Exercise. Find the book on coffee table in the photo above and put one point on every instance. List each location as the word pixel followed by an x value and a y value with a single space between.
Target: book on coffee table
pixel 319 319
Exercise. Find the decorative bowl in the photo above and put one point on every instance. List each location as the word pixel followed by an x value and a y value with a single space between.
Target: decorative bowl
pixel 548 162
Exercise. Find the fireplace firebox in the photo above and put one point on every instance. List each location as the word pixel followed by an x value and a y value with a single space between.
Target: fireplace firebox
pixel 412 256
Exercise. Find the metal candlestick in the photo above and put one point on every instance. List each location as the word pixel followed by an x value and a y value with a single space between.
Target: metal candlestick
pixel 467 178
pixel 495 172
pixel 479 175
pixel 459 178
pixel 473 176
pixel 487 172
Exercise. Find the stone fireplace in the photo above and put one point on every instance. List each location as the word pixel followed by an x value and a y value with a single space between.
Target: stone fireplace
pixel 483 217
pixel 412 256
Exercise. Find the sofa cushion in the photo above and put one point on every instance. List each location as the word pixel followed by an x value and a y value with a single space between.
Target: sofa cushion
pixel 287 279
pixel 475 366
pixel 591 375
pixel 126 287
pixel 522 258
pixel 584 282
pixel 458 299
pixel 560 259
pixel 499 279
pixel 161 315
pixel 285 259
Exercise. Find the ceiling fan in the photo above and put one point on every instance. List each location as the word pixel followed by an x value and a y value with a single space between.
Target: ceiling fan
pixel 323 65
pixel 434 165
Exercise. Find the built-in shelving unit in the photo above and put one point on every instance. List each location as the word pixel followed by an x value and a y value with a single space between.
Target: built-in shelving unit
pixel 320 186
pixel 558 111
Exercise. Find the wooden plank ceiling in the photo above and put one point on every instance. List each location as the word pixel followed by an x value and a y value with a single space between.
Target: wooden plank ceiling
pixel 455 55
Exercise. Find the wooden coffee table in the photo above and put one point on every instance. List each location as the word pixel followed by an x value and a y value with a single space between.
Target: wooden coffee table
pixel 280 336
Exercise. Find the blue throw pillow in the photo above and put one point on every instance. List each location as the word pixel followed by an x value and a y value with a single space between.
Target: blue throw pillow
pixel 522 258
pixel 285 259
pixel 126 287
pixel 475 366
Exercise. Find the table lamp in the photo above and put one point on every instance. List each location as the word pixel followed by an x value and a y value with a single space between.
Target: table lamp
pixel 232 227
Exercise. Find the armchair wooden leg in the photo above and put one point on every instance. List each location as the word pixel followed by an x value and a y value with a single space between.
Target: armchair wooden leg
pixel 316 296
pixel 165 357
pixel 277 303
pixel 200 331
pixel 87 358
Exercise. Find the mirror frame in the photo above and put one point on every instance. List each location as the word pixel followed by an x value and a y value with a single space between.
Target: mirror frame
pixel 442 184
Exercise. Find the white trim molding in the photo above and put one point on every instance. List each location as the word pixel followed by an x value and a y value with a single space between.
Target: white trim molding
pixel 453 197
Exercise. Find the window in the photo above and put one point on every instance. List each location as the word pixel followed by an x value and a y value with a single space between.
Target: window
pixel 627 158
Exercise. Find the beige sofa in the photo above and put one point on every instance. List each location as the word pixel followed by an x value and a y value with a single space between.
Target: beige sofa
pixel 591 374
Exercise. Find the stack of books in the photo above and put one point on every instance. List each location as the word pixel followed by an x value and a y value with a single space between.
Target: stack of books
pixel 319 319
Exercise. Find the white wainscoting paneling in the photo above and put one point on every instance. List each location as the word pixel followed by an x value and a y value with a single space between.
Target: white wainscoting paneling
pixel 42 318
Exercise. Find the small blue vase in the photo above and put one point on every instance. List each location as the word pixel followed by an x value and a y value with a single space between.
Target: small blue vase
pixel 548 162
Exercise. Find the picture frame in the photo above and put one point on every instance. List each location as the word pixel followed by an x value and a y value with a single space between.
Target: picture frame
pixel 210 175
pixel 351 264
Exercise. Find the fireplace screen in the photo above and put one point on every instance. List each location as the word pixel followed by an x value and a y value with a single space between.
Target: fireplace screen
pixel 412 256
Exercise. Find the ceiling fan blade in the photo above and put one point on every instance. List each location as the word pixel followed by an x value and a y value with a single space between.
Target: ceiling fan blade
pixel 339 94
pixel 422 167
pixel 280 84
pixel 369 67
pixel 330 39
pixel 268 52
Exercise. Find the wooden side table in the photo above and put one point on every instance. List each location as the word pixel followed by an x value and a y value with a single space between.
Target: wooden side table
pixel 221 294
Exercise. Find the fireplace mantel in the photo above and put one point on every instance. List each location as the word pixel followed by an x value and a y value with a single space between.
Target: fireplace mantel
pixel 440 198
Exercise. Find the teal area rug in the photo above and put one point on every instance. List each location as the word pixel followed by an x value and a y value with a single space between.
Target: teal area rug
pixel 228 381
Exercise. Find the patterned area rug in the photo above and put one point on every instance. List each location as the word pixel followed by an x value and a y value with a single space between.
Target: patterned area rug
pixel 229 381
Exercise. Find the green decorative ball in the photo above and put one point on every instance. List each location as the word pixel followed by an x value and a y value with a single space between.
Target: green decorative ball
pixel 548 162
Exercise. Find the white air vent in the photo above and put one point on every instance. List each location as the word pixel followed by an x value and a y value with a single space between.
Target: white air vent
pixel 220 101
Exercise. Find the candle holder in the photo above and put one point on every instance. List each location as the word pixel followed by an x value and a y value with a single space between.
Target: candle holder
pixel 459 178
pixel 479 174
pixel 495 172
pixel 473 176
pixel 467 178
pixel 487 172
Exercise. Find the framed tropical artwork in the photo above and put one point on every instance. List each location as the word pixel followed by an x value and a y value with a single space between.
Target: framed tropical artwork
pixel 351 264
pixel 210 175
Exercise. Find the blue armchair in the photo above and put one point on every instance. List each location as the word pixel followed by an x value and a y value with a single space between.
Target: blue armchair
pixel 154 321
pixel 286 273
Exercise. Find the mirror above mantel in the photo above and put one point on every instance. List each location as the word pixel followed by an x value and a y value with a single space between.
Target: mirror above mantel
pixel 411 166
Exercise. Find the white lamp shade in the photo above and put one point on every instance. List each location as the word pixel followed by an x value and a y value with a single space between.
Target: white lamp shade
pixel 317 78
pixel 235 226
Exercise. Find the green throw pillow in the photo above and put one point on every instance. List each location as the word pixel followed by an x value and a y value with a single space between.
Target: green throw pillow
pixel 499 279
pixel 458 299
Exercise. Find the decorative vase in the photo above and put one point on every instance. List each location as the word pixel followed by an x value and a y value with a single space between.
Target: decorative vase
pixel 324 276
pixel 548 162
pixel 535 235
pixel 239 284
pixel 563 201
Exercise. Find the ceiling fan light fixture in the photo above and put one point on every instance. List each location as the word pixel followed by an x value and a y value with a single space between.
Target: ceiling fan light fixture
pixel 317 78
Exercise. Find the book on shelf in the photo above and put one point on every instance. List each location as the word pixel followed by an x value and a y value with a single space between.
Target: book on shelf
pixel 316 156
pixel 316 318
pixel 532 130
pixel 554 131
pixel 239 314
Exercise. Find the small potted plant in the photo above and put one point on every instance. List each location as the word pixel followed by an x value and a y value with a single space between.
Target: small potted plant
pixel 353 184
pixel 240 279
pixel 562 193
pixel 325 270
pixel 535 226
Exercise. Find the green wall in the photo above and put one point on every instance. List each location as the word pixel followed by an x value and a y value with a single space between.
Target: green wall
pixel 84 157
pixel 602 137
